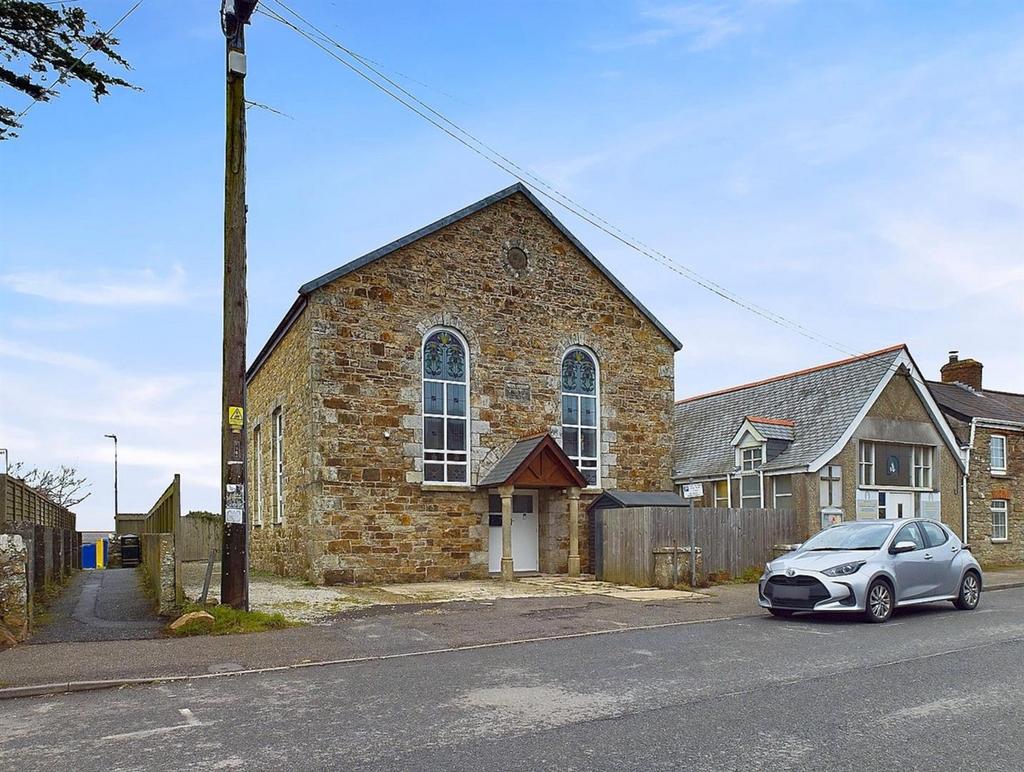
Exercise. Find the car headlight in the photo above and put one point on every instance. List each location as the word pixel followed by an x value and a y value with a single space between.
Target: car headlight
pixel 844 570
pixel 767 568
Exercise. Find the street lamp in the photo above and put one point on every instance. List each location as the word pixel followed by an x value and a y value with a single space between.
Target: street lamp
pixel 114 438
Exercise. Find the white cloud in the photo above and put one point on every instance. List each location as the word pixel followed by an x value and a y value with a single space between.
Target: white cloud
pixel 14 350
pixel 145 287
pixel 703 25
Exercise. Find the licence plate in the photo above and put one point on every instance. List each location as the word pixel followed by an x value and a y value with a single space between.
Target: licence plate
pixel 784 592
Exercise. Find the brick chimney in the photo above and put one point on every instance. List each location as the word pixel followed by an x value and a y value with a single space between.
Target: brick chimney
pixel 965 371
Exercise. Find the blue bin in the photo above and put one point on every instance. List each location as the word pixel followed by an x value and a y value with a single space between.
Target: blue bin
pixel 88 556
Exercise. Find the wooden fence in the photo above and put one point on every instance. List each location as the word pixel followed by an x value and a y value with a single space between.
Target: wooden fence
pixel 731 540
pixel 21 503
pixel 197 535
pixel 163 516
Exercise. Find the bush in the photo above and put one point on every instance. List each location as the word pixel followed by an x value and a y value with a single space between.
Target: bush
pixel 228 621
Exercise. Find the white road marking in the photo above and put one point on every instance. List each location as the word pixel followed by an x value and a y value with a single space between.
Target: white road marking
pixel 805 630
pixel 191 722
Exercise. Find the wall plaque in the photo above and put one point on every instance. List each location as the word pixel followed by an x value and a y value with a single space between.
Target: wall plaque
pixel 517 392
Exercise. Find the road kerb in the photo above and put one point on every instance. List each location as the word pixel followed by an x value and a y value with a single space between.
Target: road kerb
pixel 39 690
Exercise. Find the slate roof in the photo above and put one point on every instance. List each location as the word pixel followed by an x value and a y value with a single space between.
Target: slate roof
pixel 965 403
pixel 821 402
pixel 306 289
pixel 773 429
pixel 616 499
pixel 510 462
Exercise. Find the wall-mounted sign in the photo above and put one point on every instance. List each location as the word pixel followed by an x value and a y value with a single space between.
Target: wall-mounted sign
pixel 693 490
pixel 518 392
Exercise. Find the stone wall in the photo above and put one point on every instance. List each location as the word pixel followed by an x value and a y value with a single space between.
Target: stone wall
pixel 363 512
pixel 15 587
pixel 983 486
pixel 157 551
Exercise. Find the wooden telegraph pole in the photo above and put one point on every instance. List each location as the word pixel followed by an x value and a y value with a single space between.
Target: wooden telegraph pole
pixel 234 579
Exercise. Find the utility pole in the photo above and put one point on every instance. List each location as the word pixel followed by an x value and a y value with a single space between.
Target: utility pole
pixel 114 438
pixel 234 579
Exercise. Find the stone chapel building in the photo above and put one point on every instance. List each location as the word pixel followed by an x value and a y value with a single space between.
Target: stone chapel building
pixel 447 405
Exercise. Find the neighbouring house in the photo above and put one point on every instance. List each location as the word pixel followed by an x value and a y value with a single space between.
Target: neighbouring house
pixel 443 406
pixel 990 427
pixel 854 439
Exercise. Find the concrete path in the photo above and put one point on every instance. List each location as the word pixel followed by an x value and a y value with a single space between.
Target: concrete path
pixel 933 689
pixel 106 605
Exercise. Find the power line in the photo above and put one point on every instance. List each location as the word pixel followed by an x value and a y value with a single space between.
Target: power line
pixel 79 60
pixel 464 137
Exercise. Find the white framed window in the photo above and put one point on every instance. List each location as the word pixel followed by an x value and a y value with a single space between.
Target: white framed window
pixel 750 491
pixel 830 487
pixel 721 494
pixel 867 463
pixel 783 491
pixel 445 408
pixel 751 458
pixel 923 466
pixel 581 412
pixel 257 455
pixel 997 454
pixel 1000 509
pixel 278 426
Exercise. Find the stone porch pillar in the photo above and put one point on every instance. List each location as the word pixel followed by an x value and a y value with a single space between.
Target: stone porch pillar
pixel 574 531
pixel 507 571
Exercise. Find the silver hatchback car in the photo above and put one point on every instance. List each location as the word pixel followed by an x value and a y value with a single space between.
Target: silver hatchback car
pixel 871 567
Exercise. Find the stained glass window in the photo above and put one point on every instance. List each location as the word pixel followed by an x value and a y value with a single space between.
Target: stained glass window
pixel 580 416
pixel 445 412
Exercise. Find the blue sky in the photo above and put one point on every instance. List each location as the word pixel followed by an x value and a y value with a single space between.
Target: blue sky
pixel 858 167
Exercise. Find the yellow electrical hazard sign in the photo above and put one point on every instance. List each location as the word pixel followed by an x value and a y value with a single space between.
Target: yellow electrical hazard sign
pixel 235 415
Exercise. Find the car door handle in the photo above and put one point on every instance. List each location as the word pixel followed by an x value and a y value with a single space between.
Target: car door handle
pixel 927 557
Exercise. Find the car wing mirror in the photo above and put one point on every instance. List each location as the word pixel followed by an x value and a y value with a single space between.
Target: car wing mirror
pixel 903 546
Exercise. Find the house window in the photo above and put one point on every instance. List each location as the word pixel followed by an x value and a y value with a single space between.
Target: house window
pixel 581 411
pixel 721 494
pixel 867 463
pixel 750 491
pixel 895 465
pixel 445 408
pixel 1000 509
pixel 997 453
pixel 751 458
pixel 923 466
pixel 783 492
pixel 278 421
pixel 257 518
pixel 830 487
pixel 881 505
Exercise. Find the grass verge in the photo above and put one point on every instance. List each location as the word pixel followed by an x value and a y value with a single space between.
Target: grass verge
pixel 230 621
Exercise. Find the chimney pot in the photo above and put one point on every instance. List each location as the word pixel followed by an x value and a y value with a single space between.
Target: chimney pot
pixel 954 356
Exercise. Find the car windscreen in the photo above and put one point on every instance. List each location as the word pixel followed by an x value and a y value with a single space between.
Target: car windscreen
pixel 855 536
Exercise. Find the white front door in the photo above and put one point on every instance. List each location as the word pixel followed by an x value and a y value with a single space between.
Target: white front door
pixel 897 505
pixel 525 534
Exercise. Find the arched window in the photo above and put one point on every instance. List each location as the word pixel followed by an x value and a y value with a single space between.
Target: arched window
pixel 445 408
pixel 581 412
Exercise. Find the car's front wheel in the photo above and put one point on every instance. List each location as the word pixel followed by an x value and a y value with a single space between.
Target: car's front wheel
pixel 970 592
pixel 880 602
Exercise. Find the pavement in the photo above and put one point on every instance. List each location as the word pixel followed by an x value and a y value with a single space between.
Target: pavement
pixel 934 688
pixel 369 632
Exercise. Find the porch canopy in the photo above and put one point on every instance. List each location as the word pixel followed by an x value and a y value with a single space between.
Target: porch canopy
pixel 536 462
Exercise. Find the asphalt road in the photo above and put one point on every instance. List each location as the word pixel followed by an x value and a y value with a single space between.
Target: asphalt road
pixel 934 688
